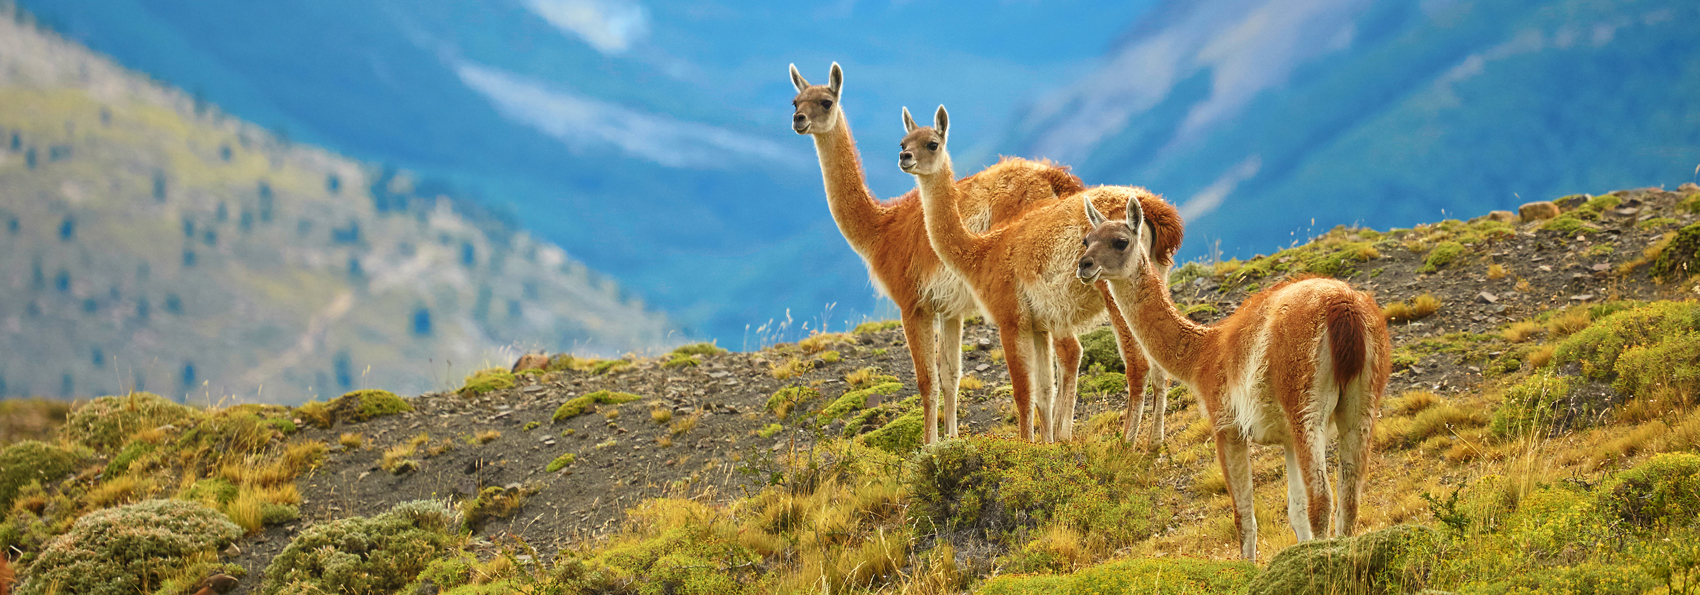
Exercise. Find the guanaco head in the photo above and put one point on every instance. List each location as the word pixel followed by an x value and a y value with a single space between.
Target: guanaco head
pixel 1112 248
pixel 816 105
pixel 922 150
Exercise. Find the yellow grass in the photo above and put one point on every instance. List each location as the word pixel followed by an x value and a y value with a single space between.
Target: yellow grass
pixel 1568 322
pixel 971 383
pixel 1497 271
pixel 661 415
pixel 683 426
pixel 1521 331
pixel 488 436
pixel 351 440
pixel 1415 309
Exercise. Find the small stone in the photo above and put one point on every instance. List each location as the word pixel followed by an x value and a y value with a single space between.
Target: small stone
pixel 232 551
pixel 982 367
pixel 549 442
pixel 1628 211
pixel 985 343
pixel 1475 369
pixel 1688 187
pixel 1545 268
pixel 1488 298
pixel 1602 267
pixel 1537 211
pixel 1503 216
pixel 1582 298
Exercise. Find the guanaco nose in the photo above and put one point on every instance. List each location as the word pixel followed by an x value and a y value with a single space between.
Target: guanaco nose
pixel 798 118
pixel 1085 265
pixel 905 156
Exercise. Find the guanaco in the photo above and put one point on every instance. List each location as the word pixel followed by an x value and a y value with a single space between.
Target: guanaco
pixel 1020 275
pixel 891 239
pixel 1293 361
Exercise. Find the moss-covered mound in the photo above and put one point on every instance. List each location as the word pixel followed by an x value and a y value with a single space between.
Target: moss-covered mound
pixel 379 554
pixel 487 380
pixel 129 549
pixel 32 461
pixel 673 547
pixel 107 422
pixel 1156 577
pixel 580 405
pixel 1678 259
pixel 363 405
pixel 1664 491
pixel 1647 350
pixel 1369 564
pixel 1098 348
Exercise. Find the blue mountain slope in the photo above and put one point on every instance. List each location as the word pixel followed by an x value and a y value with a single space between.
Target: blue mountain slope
pixel 658 154
pixel 1411 111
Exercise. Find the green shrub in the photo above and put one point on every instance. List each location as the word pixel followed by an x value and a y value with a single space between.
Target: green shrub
pixel 1099 348
pixel 1665 491
pixel 108 422
pixel 1530 405
pixel 33 461
pixel 698 349
pixel 1644 346
pixel 445 573
pixel 378 554
pixel 671 546
pixel 363 405
pixel 494 503
pixel 681 360
pixel 992 487
pixel 901 435
pixel 487 380
pixel 1441 255
pixel 1108 383
pixel 1566 224
pixel 770 430
pixel 128 549
pixel 786 399
pixel 1369 564
pixel 1144 576
pixel 121 463
pixel 212 492
pixel 578 406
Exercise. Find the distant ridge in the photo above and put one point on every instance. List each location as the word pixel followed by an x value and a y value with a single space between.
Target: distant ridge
pixel 148 241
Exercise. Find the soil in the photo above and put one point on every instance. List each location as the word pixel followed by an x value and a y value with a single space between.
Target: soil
pixel 623 456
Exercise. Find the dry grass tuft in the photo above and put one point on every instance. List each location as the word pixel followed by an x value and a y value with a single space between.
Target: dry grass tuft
pixel 488 436
pixel 661 415
pixel 351 440
pixel 1569 322
pixel 1497 271
pixel 1521 331
pixel 971 383
pixel 1542 356
pixel 1417 308
pixel 683 426
pixel 1414 402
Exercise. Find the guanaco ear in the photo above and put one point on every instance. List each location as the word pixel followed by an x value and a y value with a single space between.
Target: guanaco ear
pixel 835 79
pixel 941 124
pixel 908 122
pixel 1135 216
pixel 797 79
pixel 1092 215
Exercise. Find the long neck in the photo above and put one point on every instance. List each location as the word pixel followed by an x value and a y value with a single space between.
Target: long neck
pixel 951 239
pixel 1172 340
pixel 853 205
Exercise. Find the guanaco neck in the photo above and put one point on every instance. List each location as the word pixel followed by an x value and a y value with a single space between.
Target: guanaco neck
pixel 1172 340
pixel 853 205
pixel 955 245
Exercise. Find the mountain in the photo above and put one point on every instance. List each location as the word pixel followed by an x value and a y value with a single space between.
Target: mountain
pixel 1378 113
pixel 650 139
pixel 151 242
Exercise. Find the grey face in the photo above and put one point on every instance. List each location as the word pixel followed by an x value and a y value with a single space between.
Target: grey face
pixel 922 149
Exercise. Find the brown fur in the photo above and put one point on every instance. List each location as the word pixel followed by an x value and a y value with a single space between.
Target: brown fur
pixel 891 237
pixel 1256 375
pixel 5 575
pixel 1020 281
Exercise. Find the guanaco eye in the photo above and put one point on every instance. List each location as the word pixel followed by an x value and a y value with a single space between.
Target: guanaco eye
pixel 932 146
pixel 1120 244
pixel 825 104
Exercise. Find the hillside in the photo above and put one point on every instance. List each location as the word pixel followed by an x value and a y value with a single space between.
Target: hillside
pixel 153 243
pixel 1379 114
pixel 1540 431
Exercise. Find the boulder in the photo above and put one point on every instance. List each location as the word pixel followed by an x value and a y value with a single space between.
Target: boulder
pixel 1539 210
pixel 1504 217
pixel 531 361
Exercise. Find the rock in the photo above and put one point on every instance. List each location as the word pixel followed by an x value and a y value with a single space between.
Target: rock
pixel 1627 211
pixel 1537 211
pixel 1369 564
pixel 1602 267
pixel 1487 298
pixel 1572 201
pixel 982 367
pixel 1582 298
pixel 1503 216
pixel 232 551
pixel 1688 187
pixel 531 361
